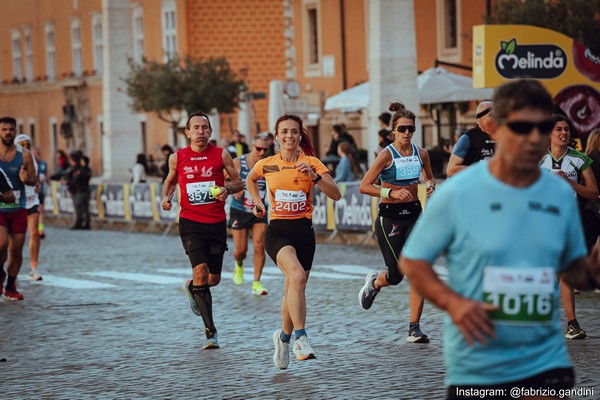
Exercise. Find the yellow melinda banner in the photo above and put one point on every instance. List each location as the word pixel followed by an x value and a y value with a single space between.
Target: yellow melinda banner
pixel 569 71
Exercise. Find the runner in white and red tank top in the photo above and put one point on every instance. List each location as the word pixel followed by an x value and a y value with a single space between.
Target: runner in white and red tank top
pixel 202 227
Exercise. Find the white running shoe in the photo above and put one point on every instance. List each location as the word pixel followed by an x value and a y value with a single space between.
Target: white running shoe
pixel 302 349
pixel 34 275
pixel 212 342
pixel 281 357
pixel 190 297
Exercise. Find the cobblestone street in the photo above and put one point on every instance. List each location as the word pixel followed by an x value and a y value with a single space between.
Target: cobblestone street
pixel 110 321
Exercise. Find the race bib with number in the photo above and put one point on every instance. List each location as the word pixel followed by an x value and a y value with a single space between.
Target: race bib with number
pixel 407 168
pixel 290 203
pixel 249 203
pixel 524 295
pixel 199 193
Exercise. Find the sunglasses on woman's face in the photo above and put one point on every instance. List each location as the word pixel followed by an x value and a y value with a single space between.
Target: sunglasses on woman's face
pixel 524 128
pixel 403 128
pixel 260 148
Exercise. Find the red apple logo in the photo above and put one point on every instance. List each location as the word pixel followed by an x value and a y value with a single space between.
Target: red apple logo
pixel 586 62
pixel 581 103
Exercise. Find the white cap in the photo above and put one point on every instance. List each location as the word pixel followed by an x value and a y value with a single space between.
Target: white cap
pixel 22 138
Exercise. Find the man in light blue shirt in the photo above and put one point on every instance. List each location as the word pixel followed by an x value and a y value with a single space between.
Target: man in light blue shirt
pixel 507 229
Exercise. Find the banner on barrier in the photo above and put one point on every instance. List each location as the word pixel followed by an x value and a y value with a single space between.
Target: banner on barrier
pixel 353 212
pixel 113 202
pixel 141 202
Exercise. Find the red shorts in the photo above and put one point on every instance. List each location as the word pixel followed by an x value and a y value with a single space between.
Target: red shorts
pixel 14 221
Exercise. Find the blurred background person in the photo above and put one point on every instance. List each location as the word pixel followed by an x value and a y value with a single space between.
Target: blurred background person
pixel 140 169
pixel 78 183
pixel 239 142
pixel 347 169
pixel 43 177
pixel 591 210
pixel 385 135
pixel 164 168
pixel 152 166
pixel 32 204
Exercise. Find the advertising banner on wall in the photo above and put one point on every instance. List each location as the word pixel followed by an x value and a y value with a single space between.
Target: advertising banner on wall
pixel 568 69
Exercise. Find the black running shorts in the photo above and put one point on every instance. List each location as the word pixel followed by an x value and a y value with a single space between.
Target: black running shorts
pixel 298 233
pixel 204 243
pixel 239 220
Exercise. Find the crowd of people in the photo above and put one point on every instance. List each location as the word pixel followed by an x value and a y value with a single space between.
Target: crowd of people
pixel 500 182
pixel 517 223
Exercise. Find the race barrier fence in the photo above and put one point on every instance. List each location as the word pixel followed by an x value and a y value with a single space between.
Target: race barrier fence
pixel 128 202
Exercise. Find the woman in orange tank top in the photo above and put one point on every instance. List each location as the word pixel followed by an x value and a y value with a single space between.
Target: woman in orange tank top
pixel 291 177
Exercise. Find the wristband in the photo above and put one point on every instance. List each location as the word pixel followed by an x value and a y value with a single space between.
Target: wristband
pixel 384 193
pixel 317 179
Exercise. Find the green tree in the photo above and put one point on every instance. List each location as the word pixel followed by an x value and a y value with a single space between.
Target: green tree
pixel 578 19
pixel 167 89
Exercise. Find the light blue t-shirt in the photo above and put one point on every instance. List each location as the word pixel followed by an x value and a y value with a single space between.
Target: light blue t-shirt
pixel 482 224
pixel 343 171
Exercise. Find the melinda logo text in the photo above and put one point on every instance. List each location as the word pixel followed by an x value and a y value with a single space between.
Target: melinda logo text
pixel 541 61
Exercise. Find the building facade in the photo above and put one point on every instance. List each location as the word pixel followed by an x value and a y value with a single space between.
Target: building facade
pixel 61 62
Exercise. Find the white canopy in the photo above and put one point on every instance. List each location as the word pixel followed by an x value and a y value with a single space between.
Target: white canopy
pixel 436 85
pixel 353 99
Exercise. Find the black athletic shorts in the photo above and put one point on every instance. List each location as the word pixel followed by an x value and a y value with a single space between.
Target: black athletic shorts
pixel 33 210
pixel 554 379
pixel 298 233
pixel 204 243
pixel 242 220
pixel 392 227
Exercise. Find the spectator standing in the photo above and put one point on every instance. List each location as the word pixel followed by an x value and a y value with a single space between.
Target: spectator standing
pixel 239 142
pixel 140 169
pixel 385 135
pixel 347 169
pixel 78 182
pixel 164 168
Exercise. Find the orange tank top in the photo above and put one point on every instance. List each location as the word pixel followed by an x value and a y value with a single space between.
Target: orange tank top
pixel 290 191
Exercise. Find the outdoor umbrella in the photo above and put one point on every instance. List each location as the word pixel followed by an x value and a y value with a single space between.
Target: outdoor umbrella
pixel 435 85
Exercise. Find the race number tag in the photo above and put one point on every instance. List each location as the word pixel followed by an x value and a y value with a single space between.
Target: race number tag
pixel 524 295
pixel 407 168
pixel 199 193
pixel 249 203
pixel 290 203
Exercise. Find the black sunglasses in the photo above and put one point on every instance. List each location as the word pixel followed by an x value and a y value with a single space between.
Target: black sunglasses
pixel 525 127
pixel 409 128
pixel 261 148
